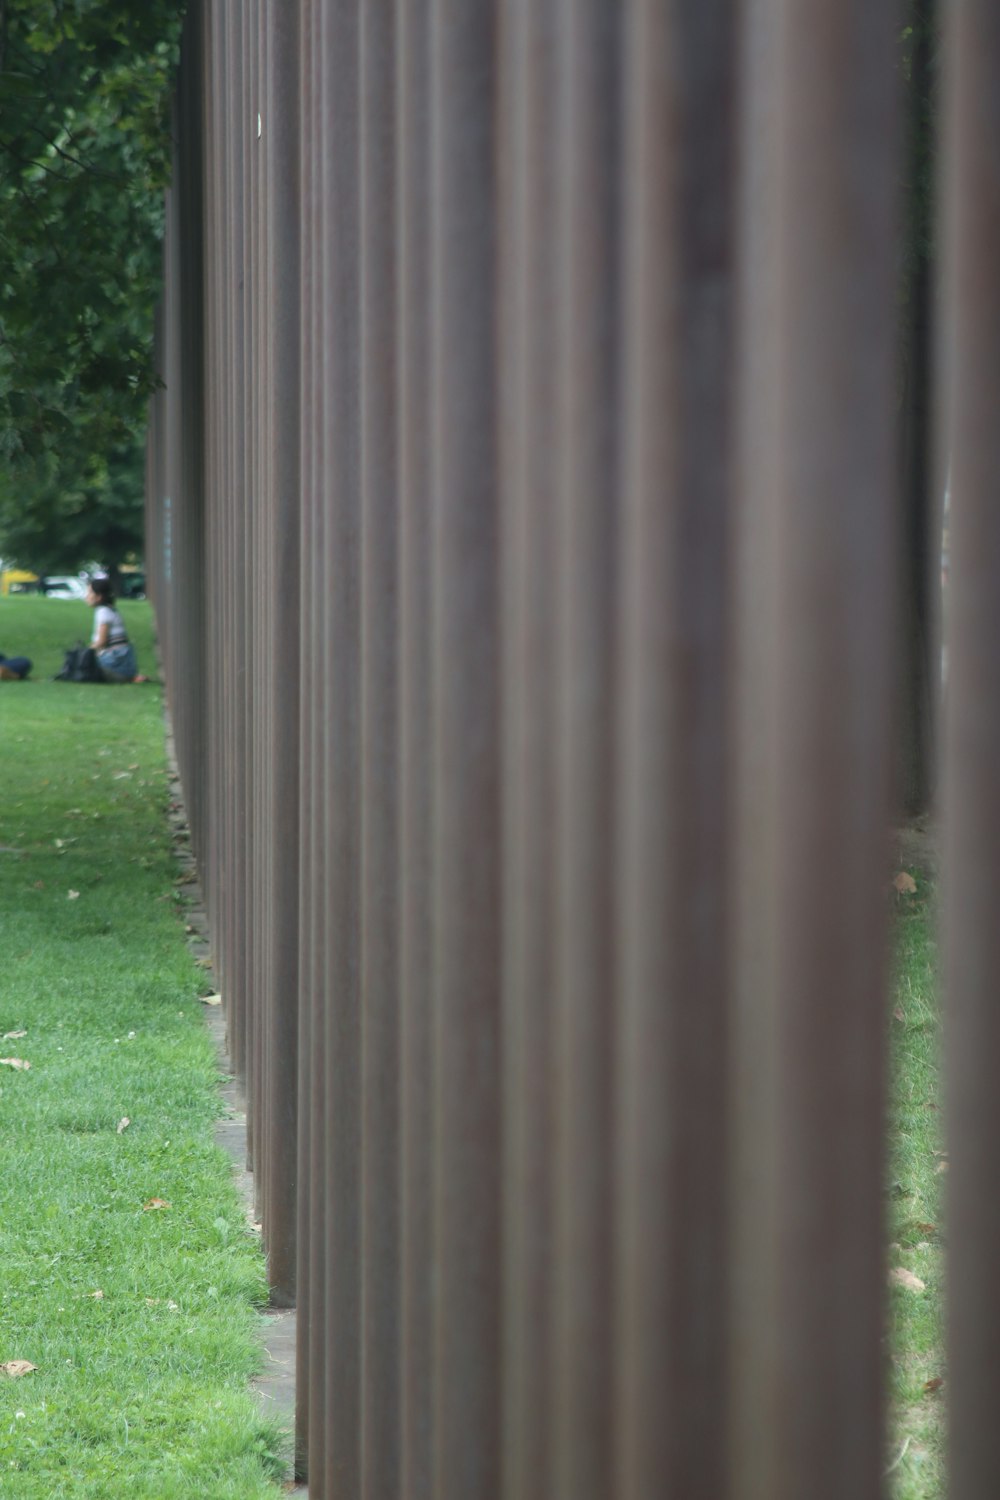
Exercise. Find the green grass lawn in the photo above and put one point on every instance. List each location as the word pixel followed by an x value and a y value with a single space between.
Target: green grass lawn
pixel 142 1321
pixel 917 1165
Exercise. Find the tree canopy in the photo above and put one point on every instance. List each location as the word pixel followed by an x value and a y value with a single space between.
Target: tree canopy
pixel 84 161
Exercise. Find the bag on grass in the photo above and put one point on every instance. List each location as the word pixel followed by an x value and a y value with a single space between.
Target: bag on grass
pixel 81 665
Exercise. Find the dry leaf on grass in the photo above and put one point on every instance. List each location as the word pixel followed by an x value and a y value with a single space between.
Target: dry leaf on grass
pixel 13 1036
pixel 17 1367
pixel 15 1062
pixel 942 1166
pixel 935 1384
pixel 905 884
pixel 123 1124
pixel 72 895
pixel 906 1278
pixel 897 1014
pixel 97 1295
pixel 203 963
pixel 926 1228
pixel 155 1203
pixel 211 999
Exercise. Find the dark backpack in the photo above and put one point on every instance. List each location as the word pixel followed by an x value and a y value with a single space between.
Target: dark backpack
pixel 81 665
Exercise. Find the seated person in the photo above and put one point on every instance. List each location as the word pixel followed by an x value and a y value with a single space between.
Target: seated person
pixel 115 652
pixel 14 668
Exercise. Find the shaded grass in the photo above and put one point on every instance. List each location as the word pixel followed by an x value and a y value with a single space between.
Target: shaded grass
pixel 141 1391
pixel 917 1168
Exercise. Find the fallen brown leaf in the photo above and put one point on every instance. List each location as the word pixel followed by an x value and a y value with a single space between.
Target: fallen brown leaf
pixel 897 1014
pixel 123 1124
pixel 935 1384
pixel 927 1228
pixel 15 1062
pixel 97 1295
pixel 905 884
pixel 942 1166
pixel 155 1203
pixel 906 1278
pixel 17 1367
pixel 13 1036
pixel 211 999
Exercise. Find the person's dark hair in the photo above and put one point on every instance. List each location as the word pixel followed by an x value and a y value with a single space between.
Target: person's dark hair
pixel 102 588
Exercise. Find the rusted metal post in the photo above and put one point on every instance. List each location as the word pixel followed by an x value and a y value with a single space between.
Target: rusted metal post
pixel 341 745
pixel 282 585
pixel 970 448
pixel 814 632
pixel 672 1046
pixel 586 436
pixel 312 1198
pixel 526 320
pixel 465 673
pixel 415 770
pixel 379 831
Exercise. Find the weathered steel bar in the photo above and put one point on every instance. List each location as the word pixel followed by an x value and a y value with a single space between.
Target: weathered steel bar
pixel 282 588
pixel 676 467
pixel 341 746
pixel 811 972
pixel 379 797
pixel 586 435
pixel 211 868
pixel 309 1428
pixel 249 743
pixel 236 958
pixel 526 319
pixel 970 452
pixel 465 683
pixel 755 732
pixel 415 768
pixel 194 391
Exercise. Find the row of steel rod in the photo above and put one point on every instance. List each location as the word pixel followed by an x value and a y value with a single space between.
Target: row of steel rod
pixel 522 533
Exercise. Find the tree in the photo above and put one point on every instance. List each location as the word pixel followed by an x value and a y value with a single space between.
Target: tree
pixel 84 161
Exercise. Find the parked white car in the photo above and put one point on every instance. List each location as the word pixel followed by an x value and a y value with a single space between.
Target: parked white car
pixel 63 588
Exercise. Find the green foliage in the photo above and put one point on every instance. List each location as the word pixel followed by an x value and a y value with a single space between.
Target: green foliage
pixel 84 162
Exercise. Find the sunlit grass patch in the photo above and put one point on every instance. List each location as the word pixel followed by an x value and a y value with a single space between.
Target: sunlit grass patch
pixel 917 1168
pixel 142 1320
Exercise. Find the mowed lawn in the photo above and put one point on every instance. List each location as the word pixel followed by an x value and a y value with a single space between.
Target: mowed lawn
pixel 130 1277
pixel 917 1169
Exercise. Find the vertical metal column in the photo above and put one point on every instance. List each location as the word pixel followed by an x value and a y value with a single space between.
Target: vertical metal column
pixel 970 446
pixel 282 566
pixel 415 766
pixel 340 748
pixel 670 894
pixel 810 969
pixel 379 836
pixel 466 878
pixel 586 435
pixel 526 319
